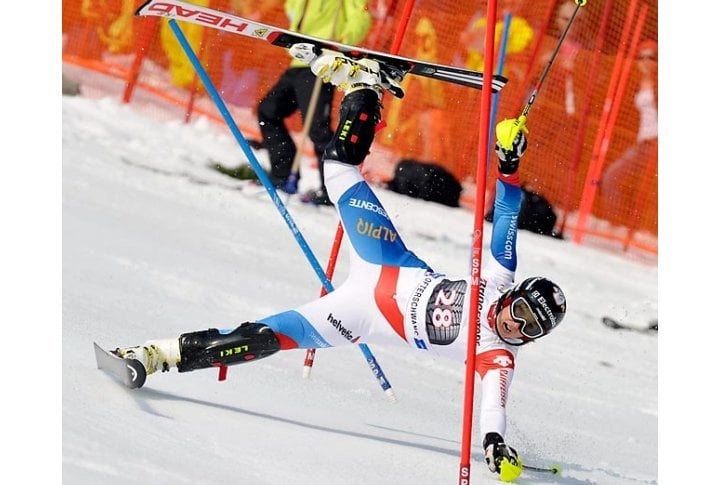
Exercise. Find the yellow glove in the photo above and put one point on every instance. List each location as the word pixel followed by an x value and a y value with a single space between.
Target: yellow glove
pixel 511 144
pixel 508 130
pixel 501 458
pixel 510 469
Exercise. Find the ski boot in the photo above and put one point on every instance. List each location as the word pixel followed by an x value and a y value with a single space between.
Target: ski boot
pixel 349 74
pixel 205 348
pixel 215 348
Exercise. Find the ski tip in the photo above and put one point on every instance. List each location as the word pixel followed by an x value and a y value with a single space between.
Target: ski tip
pixel 139 10
pixel 130 372
pixel 99 351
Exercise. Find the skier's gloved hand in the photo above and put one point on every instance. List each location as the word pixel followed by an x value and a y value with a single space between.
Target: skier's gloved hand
pixel 501 458
pixel 511 145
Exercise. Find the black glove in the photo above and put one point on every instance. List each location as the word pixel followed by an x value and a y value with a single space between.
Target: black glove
pixel 498 454
pixel 510 146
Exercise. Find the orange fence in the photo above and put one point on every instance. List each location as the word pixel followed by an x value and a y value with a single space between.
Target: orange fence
pixel 593 127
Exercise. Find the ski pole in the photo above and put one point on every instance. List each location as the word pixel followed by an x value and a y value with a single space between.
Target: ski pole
pixel 555 470
pixel 292 183
pixel 262 176
pixel 522 119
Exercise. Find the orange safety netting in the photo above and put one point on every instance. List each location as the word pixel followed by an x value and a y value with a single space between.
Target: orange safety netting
pixel 592 132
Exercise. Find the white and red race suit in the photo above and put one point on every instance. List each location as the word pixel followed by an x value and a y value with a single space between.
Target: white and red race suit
pixel 391 296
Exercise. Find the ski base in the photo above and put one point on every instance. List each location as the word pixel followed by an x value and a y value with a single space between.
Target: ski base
pixel 128 371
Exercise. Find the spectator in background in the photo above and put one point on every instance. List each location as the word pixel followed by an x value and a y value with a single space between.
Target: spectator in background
pixel 101 27
pixel 567 54
pixel 617 187
pixel 241 77
pixel 472 39
pixel 423 129
pixel 346 21
pixel 182 72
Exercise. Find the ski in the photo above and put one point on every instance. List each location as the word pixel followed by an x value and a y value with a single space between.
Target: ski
pixel 614 324
pixel 395 65
pixel 129 371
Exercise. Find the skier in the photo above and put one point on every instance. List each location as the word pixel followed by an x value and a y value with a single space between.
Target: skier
pixel 391 296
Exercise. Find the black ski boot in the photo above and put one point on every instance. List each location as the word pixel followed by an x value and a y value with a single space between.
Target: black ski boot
pixel 210 348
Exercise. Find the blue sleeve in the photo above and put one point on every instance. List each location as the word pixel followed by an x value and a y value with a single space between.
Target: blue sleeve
pixel 508 198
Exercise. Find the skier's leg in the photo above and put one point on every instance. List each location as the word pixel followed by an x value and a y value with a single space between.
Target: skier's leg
pixel 315 324
pixel 212 347
pixel 205 348
pixel 366 223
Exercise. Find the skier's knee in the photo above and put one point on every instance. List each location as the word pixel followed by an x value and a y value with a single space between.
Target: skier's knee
pixel 359 115
pixel 207 348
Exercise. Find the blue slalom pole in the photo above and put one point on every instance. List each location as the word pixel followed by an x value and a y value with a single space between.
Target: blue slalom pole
pixel 260 172
pixel 500 67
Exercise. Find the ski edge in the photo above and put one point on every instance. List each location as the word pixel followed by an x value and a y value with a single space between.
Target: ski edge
pixel 283 38
pixel 128 371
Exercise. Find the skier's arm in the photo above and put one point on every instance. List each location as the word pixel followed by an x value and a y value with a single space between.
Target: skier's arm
pixel 508 195
pixel 496 368
pixel 495 387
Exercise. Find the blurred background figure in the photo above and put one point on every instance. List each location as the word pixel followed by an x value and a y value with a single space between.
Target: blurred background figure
pixel 346 21
pixel 619 179
pixel 567 54
pixel 239 82
pixel 423 129
pixel 472 40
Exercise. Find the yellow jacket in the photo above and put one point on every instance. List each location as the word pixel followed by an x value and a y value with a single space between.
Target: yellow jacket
pixel 345 21
pixel 519 37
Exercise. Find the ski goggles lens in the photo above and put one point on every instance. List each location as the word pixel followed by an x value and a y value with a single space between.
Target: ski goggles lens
pixel 522 314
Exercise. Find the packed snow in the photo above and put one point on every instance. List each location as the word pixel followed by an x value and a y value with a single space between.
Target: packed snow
pixel 155 243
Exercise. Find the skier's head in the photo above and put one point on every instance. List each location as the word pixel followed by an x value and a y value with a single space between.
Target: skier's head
pixel 529 310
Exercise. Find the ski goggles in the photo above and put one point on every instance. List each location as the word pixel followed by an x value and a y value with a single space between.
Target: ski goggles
pixel 521 312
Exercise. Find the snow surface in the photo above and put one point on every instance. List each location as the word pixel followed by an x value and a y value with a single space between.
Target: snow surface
pixel 155 244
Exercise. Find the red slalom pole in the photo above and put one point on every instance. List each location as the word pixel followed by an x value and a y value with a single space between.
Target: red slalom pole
pixel 612 120
pixel 310 354
pixel 588 189
pixel 476 261
pixel 400 32
pixel 147 34
pixel 397 40
pixel 584 118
